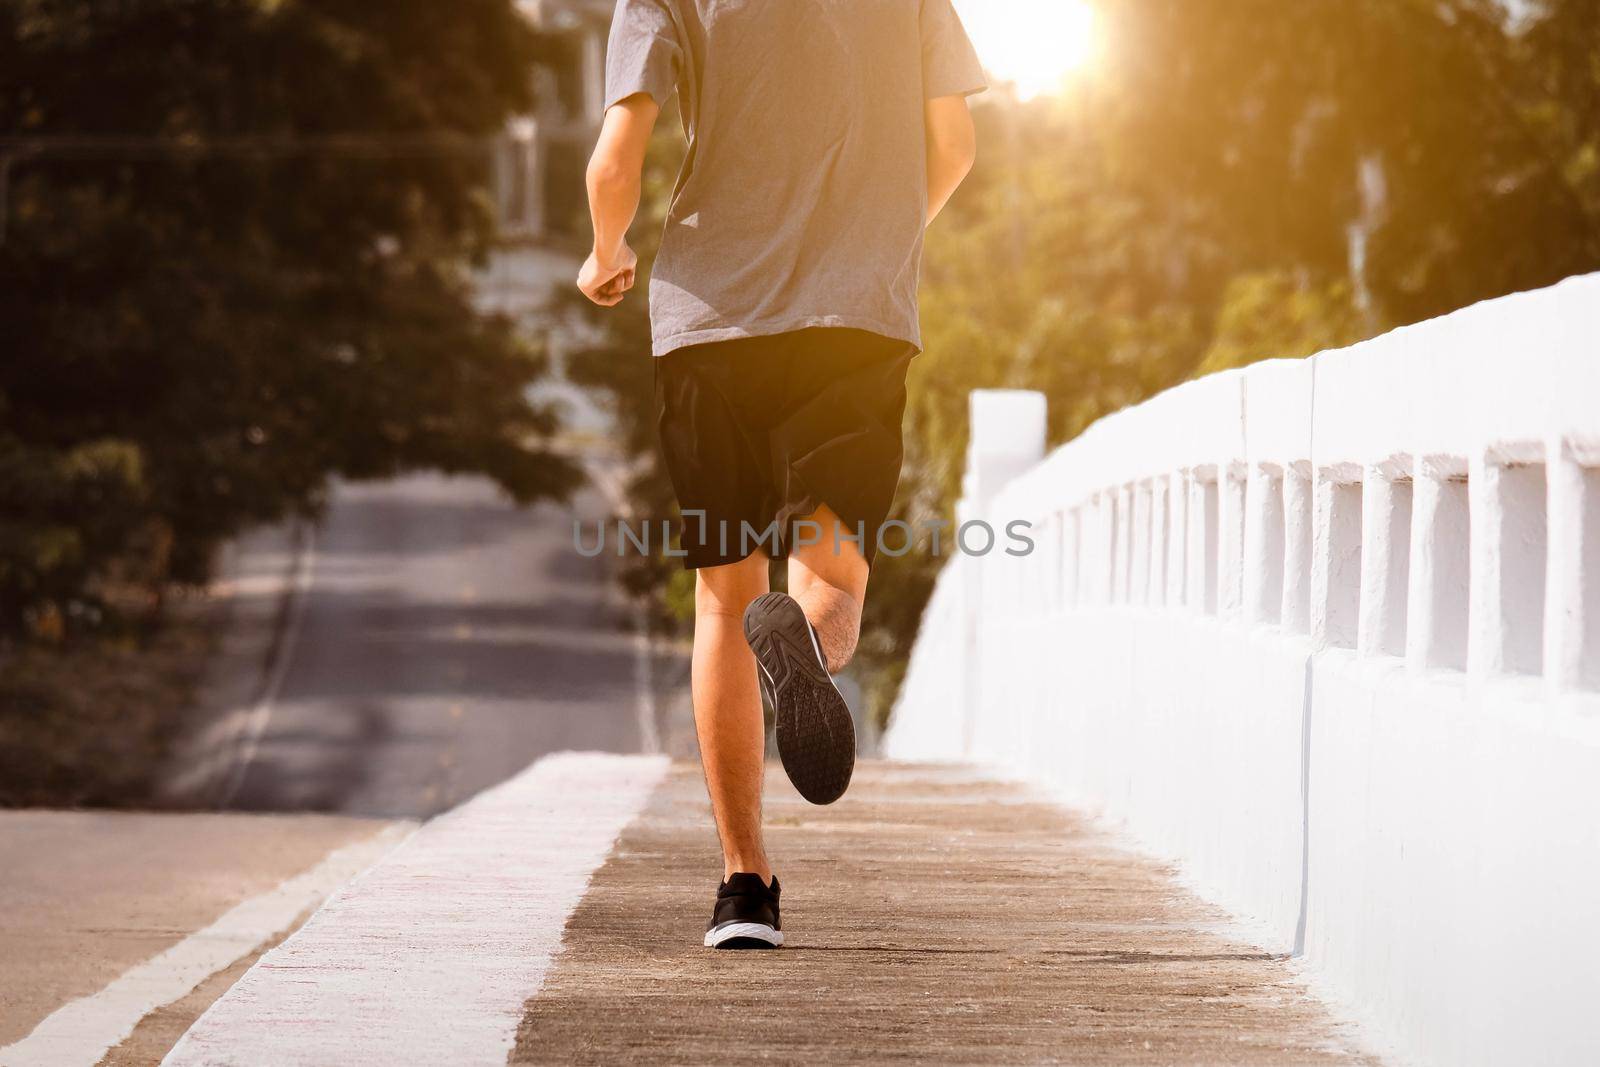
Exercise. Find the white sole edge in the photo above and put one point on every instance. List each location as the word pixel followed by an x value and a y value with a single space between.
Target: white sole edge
pixel 811 632
pixel 752 931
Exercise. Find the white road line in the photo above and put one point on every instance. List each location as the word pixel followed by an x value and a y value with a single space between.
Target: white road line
pixel 80 1033
pixel 430 956
pixel 644 687
pixel 255 723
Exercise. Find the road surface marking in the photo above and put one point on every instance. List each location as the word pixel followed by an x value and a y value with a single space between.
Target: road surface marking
pixel 644 689
pixel 81 1032
pixel 644 686
pixel 256 722
pixel 430 956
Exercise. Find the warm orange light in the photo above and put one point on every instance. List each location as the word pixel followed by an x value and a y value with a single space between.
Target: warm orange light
pixel 1036 45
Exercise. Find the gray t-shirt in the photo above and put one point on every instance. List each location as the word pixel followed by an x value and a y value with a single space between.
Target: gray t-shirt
pixel 803 197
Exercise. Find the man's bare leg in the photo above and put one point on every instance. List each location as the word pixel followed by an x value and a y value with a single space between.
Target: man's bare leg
pixel 831 585
pixel 727 710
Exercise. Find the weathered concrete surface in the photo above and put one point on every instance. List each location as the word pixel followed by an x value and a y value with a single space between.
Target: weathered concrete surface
pixel 929 916
pixel 84 896
pixel 429 956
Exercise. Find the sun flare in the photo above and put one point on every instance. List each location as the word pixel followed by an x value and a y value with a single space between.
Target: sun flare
pixel 1033 44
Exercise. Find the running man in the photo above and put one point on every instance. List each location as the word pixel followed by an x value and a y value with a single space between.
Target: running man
pixel 823 137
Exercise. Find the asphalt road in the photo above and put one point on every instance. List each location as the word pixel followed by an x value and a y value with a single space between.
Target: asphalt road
pixel 101 913
pixel 446 640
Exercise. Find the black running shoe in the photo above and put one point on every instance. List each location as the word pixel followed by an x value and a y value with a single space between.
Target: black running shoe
pixel 746 915
pixel 816 739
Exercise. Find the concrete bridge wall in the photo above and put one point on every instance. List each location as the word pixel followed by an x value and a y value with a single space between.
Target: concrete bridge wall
pixel 1327 633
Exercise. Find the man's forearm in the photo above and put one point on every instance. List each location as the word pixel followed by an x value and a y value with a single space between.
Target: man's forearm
pixel 945 175
pixel 952 149
pixel 614 193
pixel 616 170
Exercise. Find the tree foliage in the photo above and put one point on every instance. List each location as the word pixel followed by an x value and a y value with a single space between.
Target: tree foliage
pixel 237 264
pixel 1439 124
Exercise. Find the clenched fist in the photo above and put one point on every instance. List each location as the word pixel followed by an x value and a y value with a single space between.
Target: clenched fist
pixel 605 283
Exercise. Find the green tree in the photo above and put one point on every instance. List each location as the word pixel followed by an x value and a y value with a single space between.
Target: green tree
pixel 1560 50
pixel 238 258
pixel 1428 127
pixel 1270 315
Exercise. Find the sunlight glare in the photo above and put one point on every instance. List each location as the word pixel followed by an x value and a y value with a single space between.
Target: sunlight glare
pixel 1034 44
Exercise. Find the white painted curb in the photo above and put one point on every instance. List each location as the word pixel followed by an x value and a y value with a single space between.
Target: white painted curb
pixel 430 955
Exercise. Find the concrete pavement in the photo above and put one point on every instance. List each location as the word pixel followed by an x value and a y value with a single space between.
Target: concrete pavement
pixel 933 915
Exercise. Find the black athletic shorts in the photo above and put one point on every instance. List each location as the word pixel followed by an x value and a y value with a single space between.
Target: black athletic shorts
pixel 758 432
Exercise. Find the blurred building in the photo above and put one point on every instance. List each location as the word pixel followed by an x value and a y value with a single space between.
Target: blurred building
pixel 542 200
pixel 540 161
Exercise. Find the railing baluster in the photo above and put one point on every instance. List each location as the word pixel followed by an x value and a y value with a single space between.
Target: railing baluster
pixel 1336 559
pixel 1297 527
pixel 1263 545
pixel 1572 611
pixel 1385 560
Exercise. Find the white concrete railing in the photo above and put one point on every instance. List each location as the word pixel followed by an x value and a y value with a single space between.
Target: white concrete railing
pixel 1326 632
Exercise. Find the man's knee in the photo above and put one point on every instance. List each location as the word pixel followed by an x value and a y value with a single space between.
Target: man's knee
pixel 724 592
